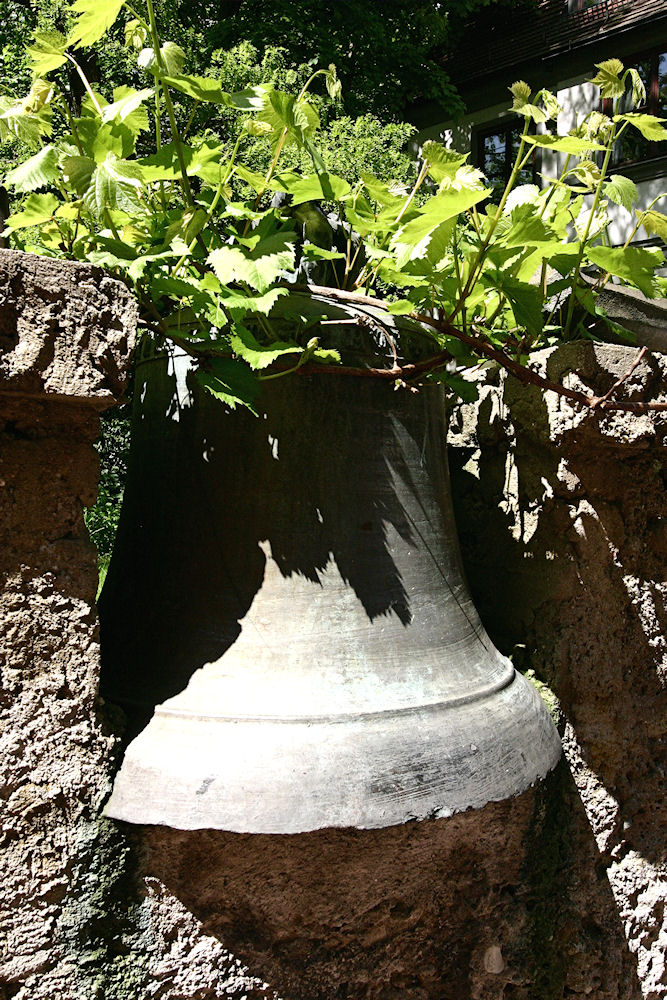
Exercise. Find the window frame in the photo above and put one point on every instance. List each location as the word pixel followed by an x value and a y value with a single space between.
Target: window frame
pixel 495 126
pixel 651 106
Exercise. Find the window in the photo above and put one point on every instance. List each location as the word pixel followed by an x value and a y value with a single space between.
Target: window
pixel 494 151
pixel 632 147
pixel 582 4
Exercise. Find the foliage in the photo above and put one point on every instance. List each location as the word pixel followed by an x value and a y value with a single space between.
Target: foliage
pixel 102 518
pixel 208 242
pixel 388 52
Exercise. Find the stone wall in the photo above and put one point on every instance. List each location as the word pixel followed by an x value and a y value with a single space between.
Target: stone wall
pixel 563 522
pixel 557 893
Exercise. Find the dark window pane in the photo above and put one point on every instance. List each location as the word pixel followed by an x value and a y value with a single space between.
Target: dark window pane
pixel 494 159
pixel 662 84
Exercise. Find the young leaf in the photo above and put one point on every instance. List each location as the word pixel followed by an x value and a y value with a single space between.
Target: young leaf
pixel 127 108
pixel 442 163
pixel 259 262
pixel 246 347
pixel 37 209
pixel 94 18
pixel 520 93
pixel 655 223
pixel 552 105
pixel 318 187
pixel 172 55
pixel 634 264
pixel 135 35
pixel 648 125
pixel 621 190
pixel 230 381
pixel 334 87
pixel 608 78
pixel 40 170
pixel 47 52
pixel 564 143
pixel 638 88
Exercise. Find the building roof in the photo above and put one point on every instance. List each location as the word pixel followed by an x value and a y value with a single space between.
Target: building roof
pixel 546 30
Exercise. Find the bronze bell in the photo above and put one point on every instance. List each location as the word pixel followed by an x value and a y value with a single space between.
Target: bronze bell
pixel 287 593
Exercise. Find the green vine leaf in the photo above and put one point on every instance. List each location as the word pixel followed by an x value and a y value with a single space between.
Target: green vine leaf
pixel 47 52
pixel 94 18
pixel 258 260
pixel 37 209
pixel 128 109
pixel 649 126
pixel 232 382
pixel 116 183
pixel 172 56
pixel 317 187
pixel 608 78
pixel 77 171
pixel 621 190
pixel 638 88
pixel 571 144
pixel 40 170
pixel 636 265
pixel 258 356
pixel 442 163
pixel 655 223
pixel 521 93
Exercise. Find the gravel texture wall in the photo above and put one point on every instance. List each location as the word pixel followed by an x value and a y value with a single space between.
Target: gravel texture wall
pixel 557 893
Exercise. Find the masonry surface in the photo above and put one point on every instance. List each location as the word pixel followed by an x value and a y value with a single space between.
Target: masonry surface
pixel 558 893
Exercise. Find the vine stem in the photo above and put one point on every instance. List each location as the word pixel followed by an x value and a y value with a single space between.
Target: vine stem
pixel 185 181
pixel 524 375
pixel 475 267
pixel 596 201
pixel 84 80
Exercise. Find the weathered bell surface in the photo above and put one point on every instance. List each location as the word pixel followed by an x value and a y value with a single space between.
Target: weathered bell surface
pixel 287 594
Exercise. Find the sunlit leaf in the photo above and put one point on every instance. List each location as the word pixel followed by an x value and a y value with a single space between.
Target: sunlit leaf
pixel 564 143
pixel 442 163
pixel 40 170
pixel 127 108
pixel 636 265
pixel 317 187
pixel 655 223
pixel 47 52
pixel 608 78
pixel 258 262
pixel 77 171
pixel 94 18
pixel 36 210
pixel 172 57
pixel 621 190
pixel 521 93
pixel 135 34
pixel 258 356
pixel 649 126
pixel 638 88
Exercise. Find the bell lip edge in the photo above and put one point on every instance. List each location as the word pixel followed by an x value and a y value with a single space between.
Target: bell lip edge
pixel 436 813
